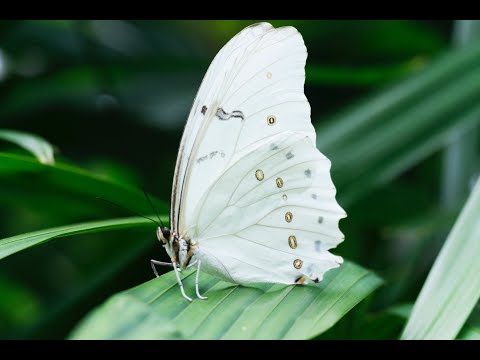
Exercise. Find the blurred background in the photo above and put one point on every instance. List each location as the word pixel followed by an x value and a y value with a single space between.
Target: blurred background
pixel 390 101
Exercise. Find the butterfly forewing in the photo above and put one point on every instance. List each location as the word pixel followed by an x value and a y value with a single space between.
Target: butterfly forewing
pixel 259 77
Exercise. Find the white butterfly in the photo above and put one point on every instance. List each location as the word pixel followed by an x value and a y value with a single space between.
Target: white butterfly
pixel 252 198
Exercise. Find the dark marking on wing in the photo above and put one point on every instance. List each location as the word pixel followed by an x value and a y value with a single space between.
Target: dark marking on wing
pixel 204 109
pixel 289 155
pixel 211 155
pixel 273 146
pixel 320 219
pixel 300 280
pixel 200 159
pixel 318 243
pixel 223 115
pixel 308 173
pixel 314 196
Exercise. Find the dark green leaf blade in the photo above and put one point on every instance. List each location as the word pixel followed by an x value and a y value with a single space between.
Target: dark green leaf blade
pixel 11 245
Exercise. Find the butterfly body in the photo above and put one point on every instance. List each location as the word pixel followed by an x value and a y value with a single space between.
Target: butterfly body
pixel 252 198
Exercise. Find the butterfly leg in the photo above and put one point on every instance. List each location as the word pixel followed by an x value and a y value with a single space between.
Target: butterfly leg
pixel 156 262
pixel 191 264
pixel 177 274
pixel 196 282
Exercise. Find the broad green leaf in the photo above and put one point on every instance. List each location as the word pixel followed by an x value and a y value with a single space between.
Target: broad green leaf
pixel 453 286
pixel 266 311
pixel 38 146
pixel 128 319
pixel 11 245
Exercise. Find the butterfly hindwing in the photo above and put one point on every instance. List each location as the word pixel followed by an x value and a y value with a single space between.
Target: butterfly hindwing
pixel 272 216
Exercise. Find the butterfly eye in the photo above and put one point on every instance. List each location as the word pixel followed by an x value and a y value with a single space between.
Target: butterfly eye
pixel 166 233
pixel 271 120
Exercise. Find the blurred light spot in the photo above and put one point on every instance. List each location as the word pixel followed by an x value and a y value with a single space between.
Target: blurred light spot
pixel 417 62
pixel 105 102
pixel 119 35
pixel 32 62
pixel 163 111
pixel 3 65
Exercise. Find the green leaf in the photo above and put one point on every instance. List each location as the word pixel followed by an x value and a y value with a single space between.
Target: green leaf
pixel 452 287
pixel 38 146
pixel 74 181
pixel 377 139
pixel 11 245
pixel 470 331
pixel 266 311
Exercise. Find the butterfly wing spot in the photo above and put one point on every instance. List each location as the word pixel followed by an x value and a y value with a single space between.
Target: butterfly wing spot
pixel 279 182
pixel 314 196
pixel 292 241
pixel 273 147
pixel 269 75
pixel 223 115
pixel 289 155
pixel 284 197
pixel 259 175
pixel 204 109
pixel 288 217
pixel 317 245
pixel 297 263
pixel 271 119
pixel 308 173
pixel 320 219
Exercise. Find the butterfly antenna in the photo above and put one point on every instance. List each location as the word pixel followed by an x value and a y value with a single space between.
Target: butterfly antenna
pixel 124 208
pixel 153 208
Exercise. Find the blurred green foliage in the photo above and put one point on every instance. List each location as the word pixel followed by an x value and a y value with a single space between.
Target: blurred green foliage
pixel 113 97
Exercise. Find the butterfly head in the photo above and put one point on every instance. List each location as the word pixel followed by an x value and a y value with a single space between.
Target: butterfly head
pixel 169 240
pixel 164 235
